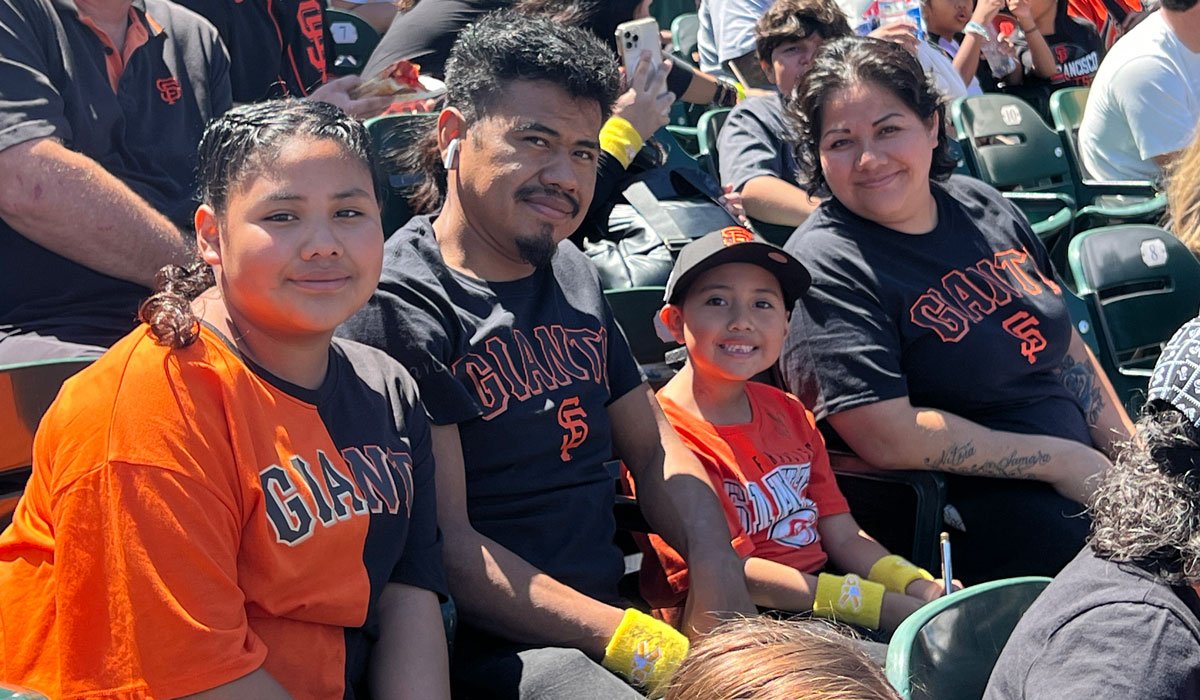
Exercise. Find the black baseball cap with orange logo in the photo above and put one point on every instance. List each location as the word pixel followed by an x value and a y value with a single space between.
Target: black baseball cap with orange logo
pixel 734 244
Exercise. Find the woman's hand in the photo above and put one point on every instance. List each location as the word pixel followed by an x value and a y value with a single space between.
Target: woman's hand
pixel 647 103
pixel 337 93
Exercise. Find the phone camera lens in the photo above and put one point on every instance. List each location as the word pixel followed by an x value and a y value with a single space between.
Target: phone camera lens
pixel 628 45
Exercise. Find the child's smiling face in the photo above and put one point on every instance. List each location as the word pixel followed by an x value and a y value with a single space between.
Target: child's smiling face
pixel 733 321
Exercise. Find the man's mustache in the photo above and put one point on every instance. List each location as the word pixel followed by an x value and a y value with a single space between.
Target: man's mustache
pixel 533 191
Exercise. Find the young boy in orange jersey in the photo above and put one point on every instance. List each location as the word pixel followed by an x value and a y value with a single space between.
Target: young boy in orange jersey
pixel 728 300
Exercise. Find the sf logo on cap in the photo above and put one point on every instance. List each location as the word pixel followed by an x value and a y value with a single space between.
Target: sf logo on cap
pixel 733 235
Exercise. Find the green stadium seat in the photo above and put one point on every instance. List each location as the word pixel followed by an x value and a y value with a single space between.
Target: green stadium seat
pixel 947 649
pixel 26 391
pixel 1013 149
pixel 1135 200
pixel 353 41
pixel 685 30
pixel 391 134
pixel 635 308
pixel 1142 284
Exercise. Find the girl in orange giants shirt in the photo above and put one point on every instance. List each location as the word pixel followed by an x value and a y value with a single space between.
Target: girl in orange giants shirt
pixel 230 502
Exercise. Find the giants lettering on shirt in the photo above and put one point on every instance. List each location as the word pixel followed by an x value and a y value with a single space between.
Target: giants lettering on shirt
pixel 362 481
pixel 969 295
pixel 522 367
pixel 777 502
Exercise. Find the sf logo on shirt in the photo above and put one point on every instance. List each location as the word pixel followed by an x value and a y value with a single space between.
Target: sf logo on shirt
pixel 573 420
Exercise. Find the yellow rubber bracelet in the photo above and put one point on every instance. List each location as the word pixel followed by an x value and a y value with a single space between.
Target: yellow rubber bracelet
pixel 895 573
pixel 849 599
pixel 741 90
pixel 645 651
pixel 619 139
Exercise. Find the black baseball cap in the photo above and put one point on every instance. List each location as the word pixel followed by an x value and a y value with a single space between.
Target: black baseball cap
pixel 735 244
pixel 1176 379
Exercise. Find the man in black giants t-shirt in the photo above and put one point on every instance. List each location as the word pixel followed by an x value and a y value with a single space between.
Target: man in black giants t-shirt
pixel 530 384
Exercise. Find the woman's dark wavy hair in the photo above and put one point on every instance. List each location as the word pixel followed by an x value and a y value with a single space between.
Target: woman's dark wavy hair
pixel 235 147
pixel 1146 508
pixel 500 48
pixel 855 60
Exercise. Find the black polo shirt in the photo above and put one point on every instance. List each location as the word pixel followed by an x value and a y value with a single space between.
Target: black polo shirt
pixel 277 48
pixel 54 82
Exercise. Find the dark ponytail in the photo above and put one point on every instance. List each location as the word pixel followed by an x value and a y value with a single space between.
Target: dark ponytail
pixel 168 311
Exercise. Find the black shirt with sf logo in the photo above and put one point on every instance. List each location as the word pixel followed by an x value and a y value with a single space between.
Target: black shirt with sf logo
pixel 54 83
pixel 526 369
pixel 968 318
pixel 1077 48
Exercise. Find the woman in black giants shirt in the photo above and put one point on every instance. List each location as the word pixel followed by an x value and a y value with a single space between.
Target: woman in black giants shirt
pixel 935 335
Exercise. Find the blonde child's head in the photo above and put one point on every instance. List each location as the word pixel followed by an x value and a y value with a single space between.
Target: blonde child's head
pixel 728 300
pixel 765 659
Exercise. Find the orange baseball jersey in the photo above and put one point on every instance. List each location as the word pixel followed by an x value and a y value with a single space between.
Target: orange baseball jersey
pixel 192 518
pixel 774 480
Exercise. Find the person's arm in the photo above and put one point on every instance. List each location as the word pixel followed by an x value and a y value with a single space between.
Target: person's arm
pixel 894 434
pixel 966 61
pixel 780 587
pixel 69 204
pixel 1083 376
pixel 680 504
pixel 409 660
pixel 777 201
pixel 500 592
pixel 1040 55
pixel 852 550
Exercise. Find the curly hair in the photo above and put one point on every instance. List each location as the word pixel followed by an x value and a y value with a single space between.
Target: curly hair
pixel 764 659
pixel 792 20
pixel 1146 508
pixel 498 49
pixel 235 147
pixel 849 61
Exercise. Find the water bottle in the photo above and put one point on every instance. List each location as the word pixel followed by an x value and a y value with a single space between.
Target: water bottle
pixel 1000 62
pixel 908 11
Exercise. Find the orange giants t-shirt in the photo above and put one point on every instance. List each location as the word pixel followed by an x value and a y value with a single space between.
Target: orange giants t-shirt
pixel 774 480
pixel 192 518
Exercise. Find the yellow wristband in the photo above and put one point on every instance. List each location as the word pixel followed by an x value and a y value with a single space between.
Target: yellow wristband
pixel 849 599
pixel 741 90
pixel 895 573
pixel 619 139
pixel 645 651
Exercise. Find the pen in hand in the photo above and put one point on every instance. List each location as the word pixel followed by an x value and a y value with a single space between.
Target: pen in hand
pixel 947 568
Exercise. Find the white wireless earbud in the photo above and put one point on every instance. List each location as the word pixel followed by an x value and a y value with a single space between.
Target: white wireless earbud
pixel 451 153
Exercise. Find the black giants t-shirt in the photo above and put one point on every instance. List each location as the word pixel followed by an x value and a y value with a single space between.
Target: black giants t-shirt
pixel 526 369
pixel 967 318
pixel 1077 48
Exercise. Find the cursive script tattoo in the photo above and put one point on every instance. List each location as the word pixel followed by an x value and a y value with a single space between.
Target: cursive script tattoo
pixel 957 458
pixel 953 456
pixel 1080 379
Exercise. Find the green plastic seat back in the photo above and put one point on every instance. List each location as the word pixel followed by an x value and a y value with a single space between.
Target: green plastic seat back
pixel 391 135
pixel 685 30
pixel 1144 283
pixel 1011 146
pixel 1066 109
pixel 26 391
pixel 707 131
pixel 353 40
pixel 947 649
pixel 634 308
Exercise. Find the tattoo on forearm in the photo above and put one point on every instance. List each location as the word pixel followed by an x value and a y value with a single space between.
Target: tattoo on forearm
pixel 952 456
pixel 1080 379
pixel 957 458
